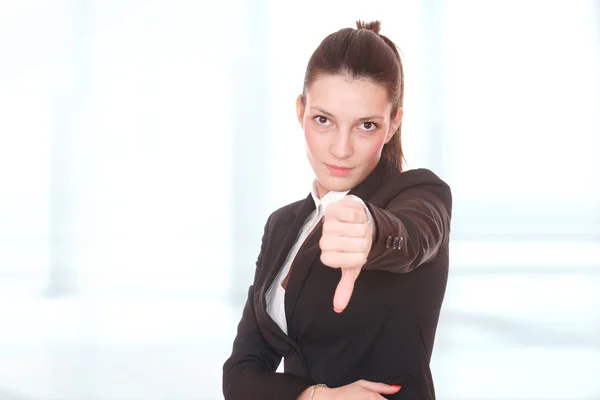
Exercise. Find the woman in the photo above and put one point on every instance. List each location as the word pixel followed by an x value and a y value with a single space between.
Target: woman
pixel 349 282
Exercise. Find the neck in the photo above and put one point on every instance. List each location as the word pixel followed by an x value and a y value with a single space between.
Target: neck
pixel 321 191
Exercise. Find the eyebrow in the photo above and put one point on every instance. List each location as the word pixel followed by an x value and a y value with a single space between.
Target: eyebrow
pixel 328 114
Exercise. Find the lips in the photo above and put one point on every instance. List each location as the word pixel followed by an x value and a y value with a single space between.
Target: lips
pixel 337 170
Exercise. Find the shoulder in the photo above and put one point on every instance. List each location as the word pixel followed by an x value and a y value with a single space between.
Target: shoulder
pixel 283 214
pixel 286 210
pixel 415 181
pixel 421 177
pixel 418 176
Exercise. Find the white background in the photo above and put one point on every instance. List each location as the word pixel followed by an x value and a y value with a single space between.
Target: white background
pixel 144 143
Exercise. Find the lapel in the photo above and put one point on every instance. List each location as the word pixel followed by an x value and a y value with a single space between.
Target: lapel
pixel 284 236
pixel 310 249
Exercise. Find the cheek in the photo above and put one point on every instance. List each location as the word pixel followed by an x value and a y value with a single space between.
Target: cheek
pixel 377 145
pixel 311 139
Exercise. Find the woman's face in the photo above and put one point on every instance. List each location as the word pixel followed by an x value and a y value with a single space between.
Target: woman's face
pixel 346 122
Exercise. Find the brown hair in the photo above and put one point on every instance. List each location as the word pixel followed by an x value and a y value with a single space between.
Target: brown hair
pixel 363 53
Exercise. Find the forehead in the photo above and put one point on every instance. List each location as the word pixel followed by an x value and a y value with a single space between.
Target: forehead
pixel 342 95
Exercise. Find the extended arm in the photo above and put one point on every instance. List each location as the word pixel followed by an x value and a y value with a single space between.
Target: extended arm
pixel 411 229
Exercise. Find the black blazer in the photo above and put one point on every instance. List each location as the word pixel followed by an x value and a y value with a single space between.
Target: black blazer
pixel 386 334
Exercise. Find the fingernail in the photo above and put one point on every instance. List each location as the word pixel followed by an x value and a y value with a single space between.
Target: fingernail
pixel 337 310
pixel 397 387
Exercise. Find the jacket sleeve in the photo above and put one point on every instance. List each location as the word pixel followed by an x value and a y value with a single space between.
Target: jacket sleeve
pixel 249 373
pixel 411 229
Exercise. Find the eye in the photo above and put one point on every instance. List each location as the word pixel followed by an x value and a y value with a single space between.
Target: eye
pixel 369 126
pixel 321 120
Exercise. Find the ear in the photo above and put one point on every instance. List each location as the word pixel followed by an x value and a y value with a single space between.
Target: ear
pixel 394 124
pixel 300 110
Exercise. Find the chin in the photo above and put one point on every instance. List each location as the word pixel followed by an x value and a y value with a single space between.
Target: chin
pixel 336 184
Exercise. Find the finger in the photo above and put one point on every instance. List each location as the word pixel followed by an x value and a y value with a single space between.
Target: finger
pixel 338 259
pixel 335 242
pixel 379 387
pixel 344 289
pixel 343 213
pixel 347 229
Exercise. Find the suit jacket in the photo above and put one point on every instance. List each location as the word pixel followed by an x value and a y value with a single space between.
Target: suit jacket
pixel 386 334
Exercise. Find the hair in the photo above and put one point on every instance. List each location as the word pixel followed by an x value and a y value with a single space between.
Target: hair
pixel 363 53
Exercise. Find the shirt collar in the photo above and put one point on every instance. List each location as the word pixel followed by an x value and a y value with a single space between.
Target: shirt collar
pixel 330 197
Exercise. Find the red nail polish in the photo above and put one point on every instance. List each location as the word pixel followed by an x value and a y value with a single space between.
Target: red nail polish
pixel 397 386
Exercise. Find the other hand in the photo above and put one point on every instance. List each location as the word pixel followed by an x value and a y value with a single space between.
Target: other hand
pixel 359 390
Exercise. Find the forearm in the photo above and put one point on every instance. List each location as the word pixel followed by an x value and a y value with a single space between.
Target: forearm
pixel 248 384
pixel 409 232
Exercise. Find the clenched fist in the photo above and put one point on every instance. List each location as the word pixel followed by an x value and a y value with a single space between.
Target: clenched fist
pixel 345 244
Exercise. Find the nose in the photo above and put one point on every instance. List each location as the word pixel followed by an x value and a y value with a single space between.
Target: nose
pixel 341 147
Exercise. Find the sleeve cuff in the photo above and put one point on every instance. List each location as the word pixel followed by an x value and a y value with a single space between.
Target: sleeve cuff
pixel 367 211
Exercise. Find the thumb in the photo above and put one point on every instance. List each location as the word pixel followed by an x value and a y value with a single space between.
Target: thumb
pixel 344 289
